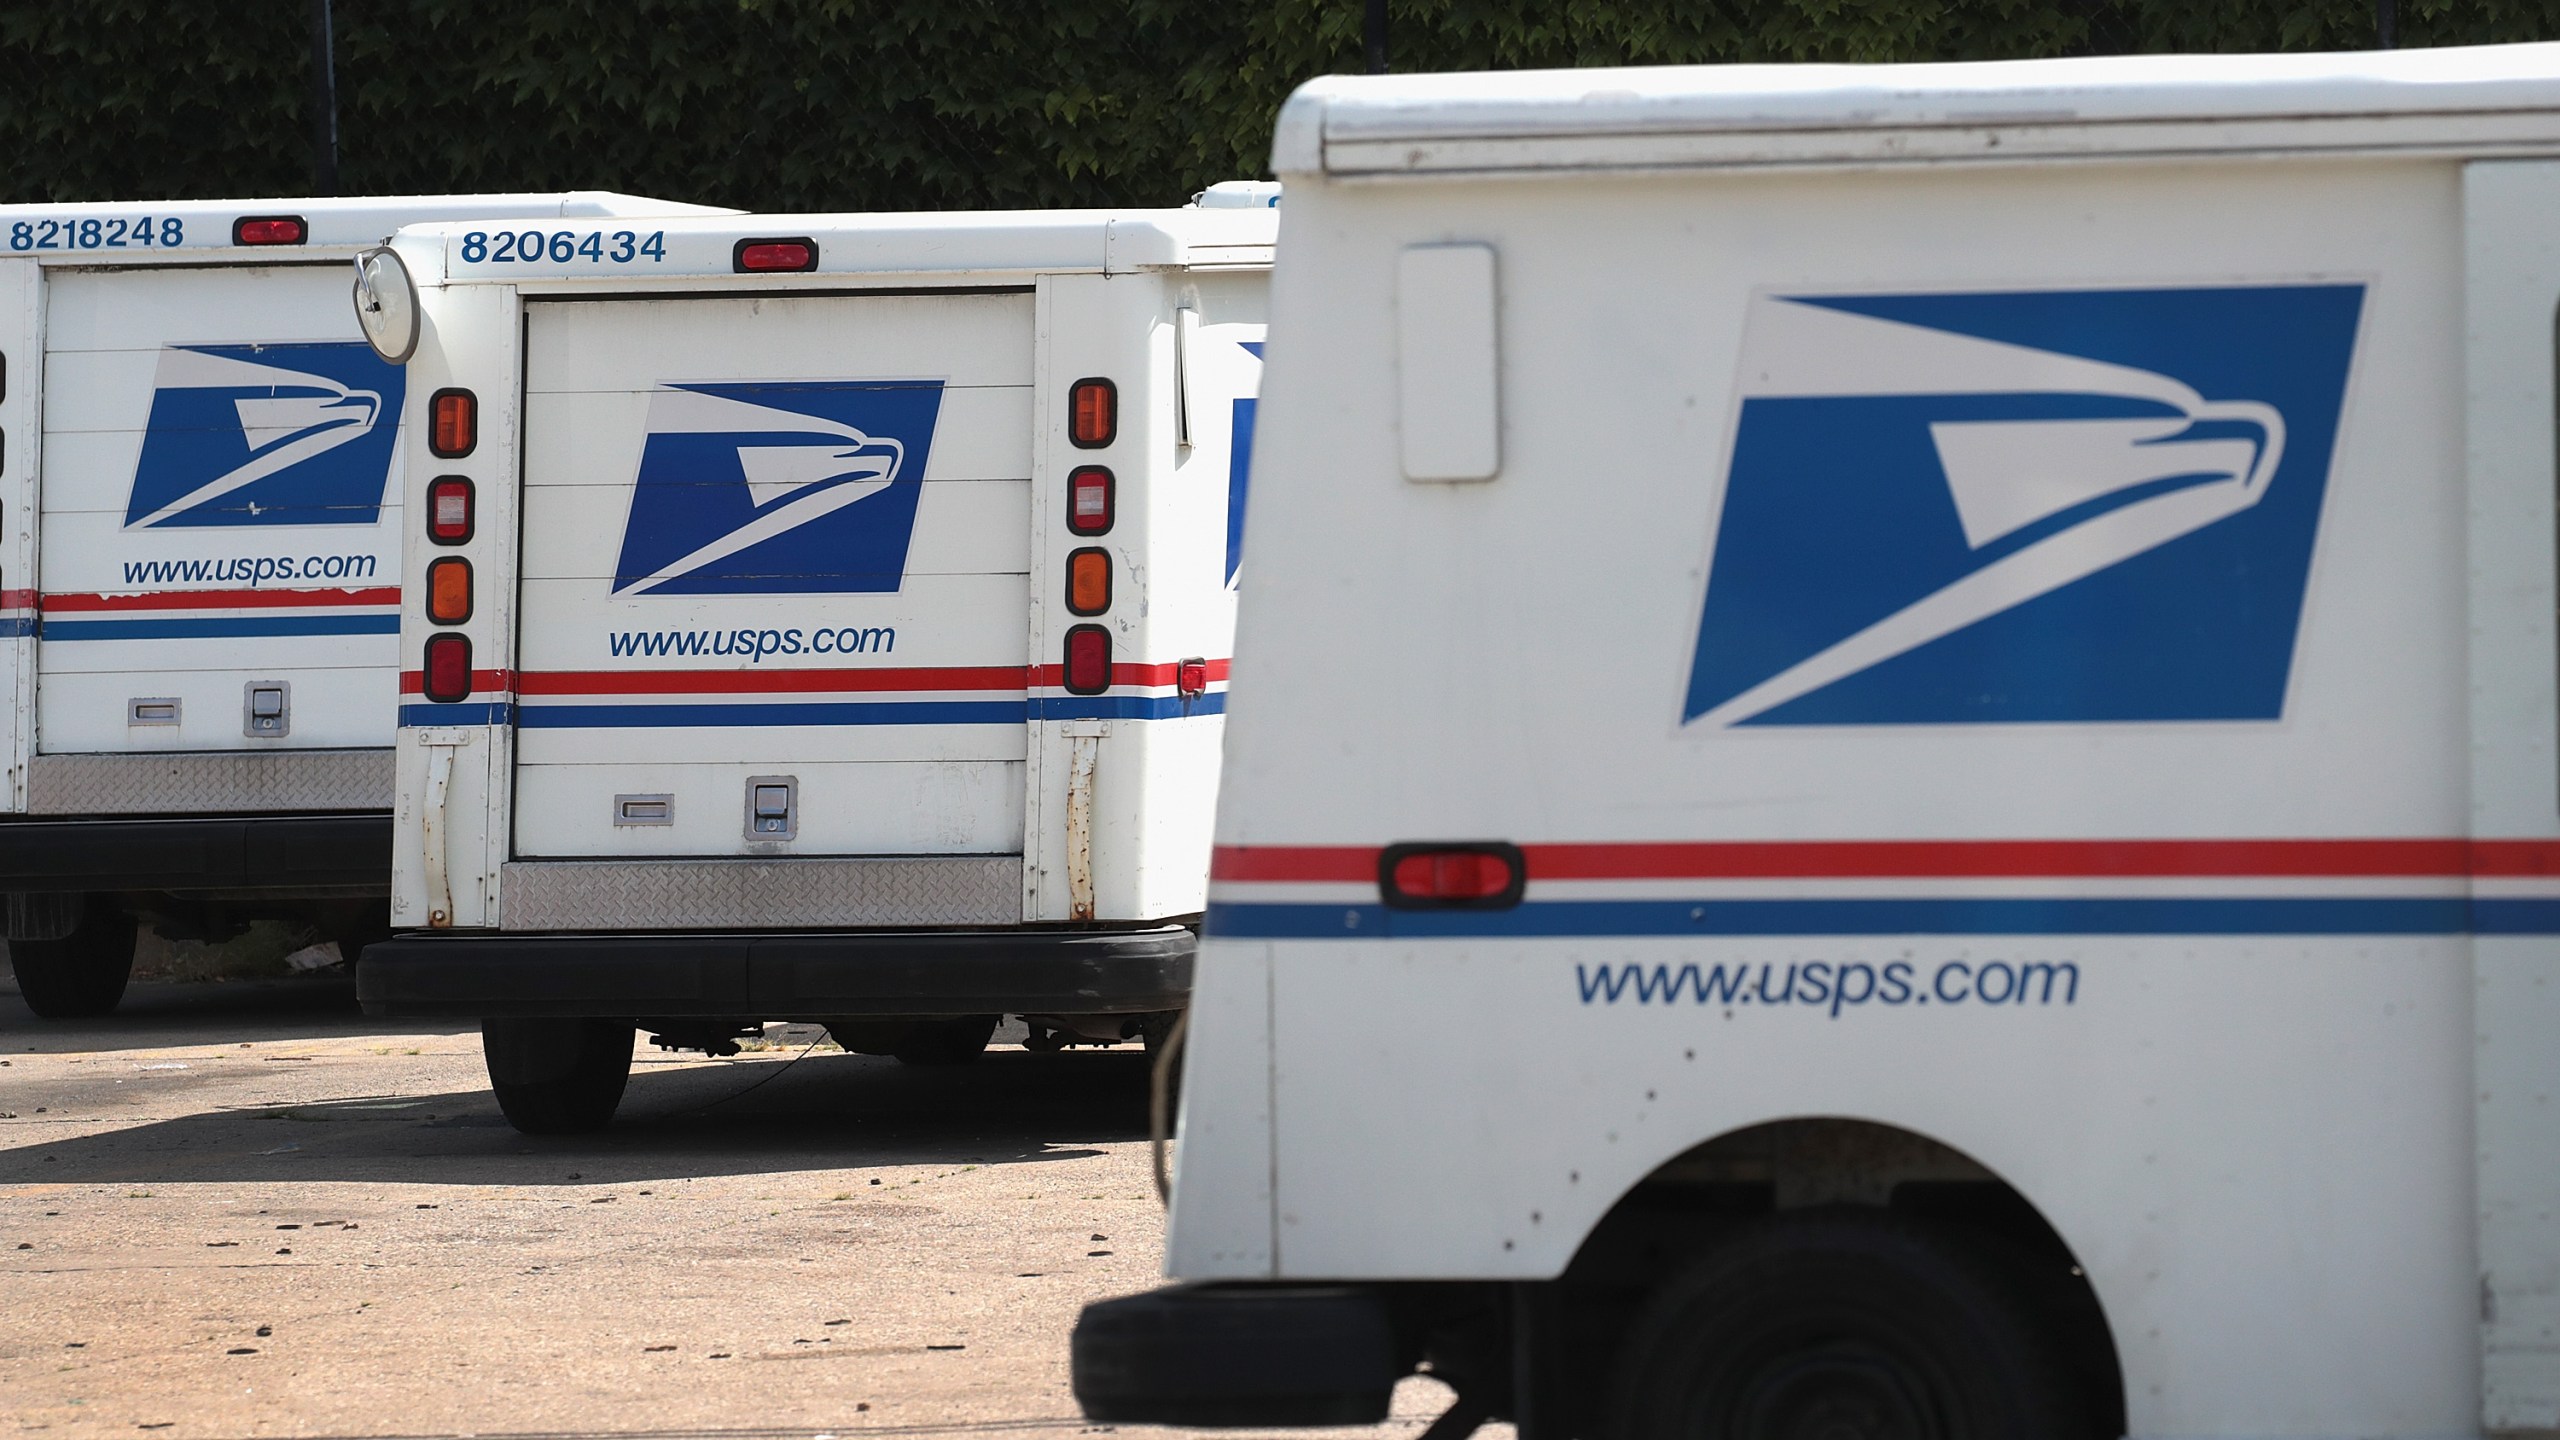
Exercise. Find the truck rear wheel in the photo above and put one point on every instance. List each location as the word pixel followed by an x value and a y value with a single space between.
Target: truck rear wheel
pixel 1854 1324
pixel 82 974
pixel 557 1077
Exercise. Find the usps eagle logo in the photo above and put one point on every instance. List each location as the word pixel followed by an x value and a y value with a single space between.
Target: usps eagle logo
pixel 778 488
pixel 294 434
pixel 2060 506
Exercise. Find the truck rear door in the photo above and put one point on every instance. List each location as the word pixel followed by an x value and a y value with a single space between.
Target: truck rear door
pixel 774 576
pixel 220 495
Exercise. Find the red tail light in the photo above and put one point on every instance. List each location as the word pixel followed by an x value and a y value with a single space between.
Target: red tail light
pixel 448 677
pixel 1088 660
pixel 1089 500
pixel 1191 677
pixel 1474 875
pixel 269 230
pixel 1093 413
pixel 449 510
pixel 454 423
pixel 759 256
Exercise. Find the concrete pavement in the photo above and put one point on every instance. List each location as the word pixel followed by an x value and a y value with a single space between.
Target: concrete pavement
pixel 245 1209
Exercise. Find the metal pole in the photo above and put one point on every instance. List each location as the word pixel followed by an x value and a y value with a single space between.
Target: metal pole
pixel 1374 36
pixel 2386 24
pixel 324 101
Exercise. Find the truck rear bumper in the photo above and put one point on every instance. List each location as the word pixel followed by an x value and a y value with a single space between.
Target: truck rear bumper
pixel 1237 1355
pixel 280 855
pixel 779 977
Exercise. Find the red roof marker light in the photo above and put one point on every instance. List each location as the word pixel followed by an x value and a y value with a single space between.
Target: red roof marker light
pixel 784 256
pixel 269 230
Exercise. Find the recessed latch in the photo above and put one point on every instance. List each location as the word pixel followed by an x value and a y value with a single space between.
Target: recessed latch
pixel 151 710
pixel 773 807
pixel 644 809
pixel 266 709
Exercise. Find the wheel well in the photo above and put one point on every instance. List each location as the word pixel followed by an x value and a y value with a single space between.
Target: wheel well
pixel 1686 1205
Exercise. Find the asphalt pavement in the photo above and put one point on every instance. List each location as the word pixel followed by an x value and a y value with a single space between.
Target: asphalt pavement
pixel 244 1209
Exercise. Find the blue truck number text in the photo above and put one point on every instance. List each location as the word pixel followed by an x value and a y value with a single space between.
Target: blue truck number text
pixel 97 232
pixel 532 247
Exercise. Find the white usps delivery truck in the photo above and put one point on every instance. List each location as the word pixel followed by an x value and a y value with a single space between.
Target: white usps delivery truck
pixel 1895 765
pixel 199 588
pixel 815 618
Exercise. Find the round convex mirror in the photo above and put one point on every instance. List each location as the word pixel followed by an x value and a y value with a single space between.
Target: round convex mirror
pixel 386 304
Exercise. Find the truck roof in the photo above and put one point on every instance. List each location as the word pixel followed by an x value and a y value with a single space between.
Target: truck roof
pixel 2467 100
pixel 334 226
pixel 942 243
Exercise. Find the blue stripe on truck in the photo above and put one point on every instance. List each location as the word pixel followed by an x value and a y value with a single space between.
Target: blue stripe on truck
pixel 1969 915
pixel 220 627
pixel 869 712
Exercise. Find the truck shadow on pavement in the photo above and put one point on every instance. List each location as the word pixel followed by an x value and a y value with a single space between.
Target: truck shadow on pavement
pixel 317 1006
pixel 761 1113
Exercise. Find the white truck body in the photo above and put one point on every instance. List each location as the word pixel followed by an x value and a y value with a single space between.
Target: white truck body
pixel 200 488
pixel 2007 608
pixel 744 530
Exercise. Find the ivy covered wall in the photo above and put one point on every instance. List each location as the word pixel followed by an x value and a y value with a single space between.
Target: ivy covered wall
pixel 898 104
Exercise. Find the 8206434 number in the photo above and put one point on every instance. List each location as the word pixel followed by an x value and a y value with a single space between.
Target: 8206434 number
pixel 560 247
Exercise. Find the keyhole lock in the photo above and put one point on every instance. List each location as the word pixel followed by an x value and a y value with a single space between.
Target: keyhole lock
pixel 266 709
pixel 773 807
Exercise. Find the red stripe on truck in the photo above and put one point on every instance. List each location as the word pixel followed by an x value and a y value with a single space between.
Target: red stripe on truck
pixel 414 682
pixel 698 682
pixel 218 599
pixel 1165 674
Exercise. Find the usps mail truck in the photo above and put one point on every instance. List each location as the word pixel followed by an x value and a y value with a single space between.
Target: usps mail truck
pixel 200 485
pixel 1894 768
pixel 815 618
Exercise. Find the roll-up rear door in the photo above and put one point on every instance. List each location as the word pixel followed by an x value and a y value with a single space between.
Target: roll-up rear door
pixel 775 555
pixel 220 531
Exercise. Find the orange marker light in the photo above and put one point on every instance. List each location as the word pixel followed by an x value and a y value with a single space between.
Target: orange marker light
pixel 1089 581
pixel 454 428
pixel 449 590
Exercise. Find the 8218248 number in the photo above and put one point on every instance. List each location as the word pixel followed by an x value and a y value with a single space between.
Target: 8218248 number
pixel 98 232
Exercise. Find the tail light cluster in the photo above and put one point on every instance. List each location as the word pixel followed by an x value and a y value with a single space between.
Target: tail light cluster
pixel 453 419
pixel 1093 421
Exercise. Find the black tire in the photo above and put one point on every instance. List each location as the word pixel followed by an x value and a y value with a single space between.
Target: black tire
pixel 84 973
pixel 1846 1324
pixel 956 1041
pixel 557 1077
